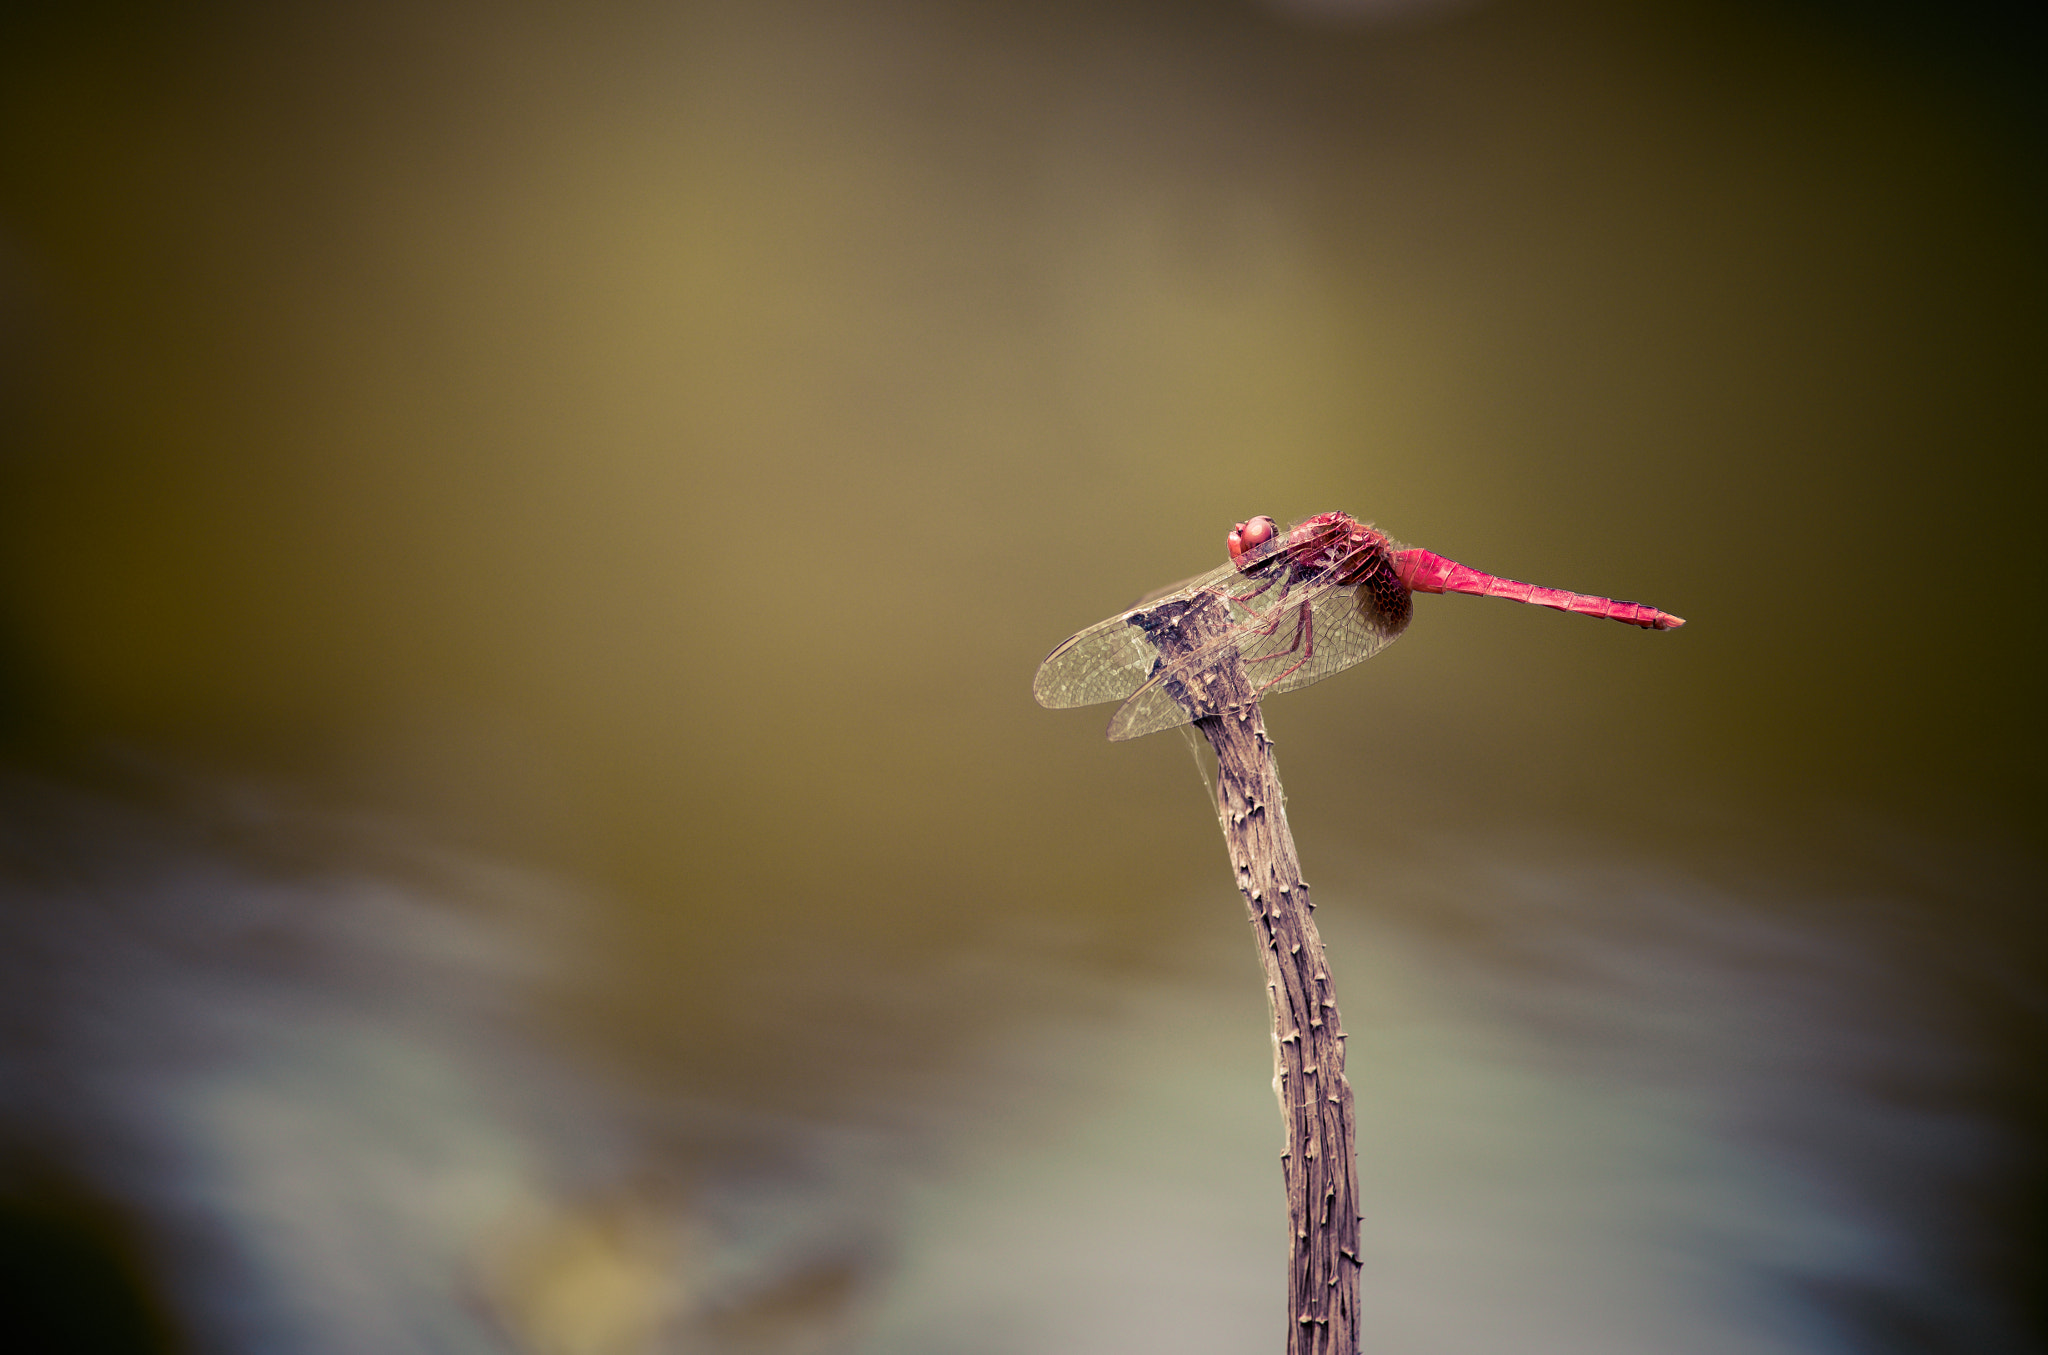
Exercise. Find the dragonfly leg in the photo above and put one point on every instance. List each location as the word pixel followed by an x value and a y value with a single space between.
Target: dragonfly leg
pixel 1285 575
pixel 1304 640
pixel 1244 598
pixel 1272 625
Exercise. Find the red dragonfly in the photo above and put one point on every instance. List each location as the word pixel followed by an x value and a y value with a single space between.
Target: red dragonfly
pixel 1327 593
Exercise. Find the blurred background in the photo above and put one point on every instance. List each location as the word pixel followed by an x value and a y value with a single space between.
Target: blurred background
pixel 525 532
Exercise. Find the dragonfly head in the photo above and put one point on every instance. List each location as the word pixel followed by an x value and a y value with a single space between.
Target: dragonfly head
pixel 1247 537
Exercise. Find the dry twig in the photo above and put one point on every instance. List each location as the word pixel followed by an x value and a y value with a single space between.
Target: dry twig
pixel 1319 1161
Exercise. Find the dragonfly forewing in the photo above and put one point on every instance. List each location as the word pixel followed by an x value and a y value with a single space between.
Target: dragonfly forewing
pixel 1265 596
pixel 1280 647
pixel 1111 659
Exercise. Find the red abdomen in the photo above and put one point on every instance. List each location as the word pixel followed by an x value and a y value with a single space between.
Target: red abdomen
pixel 1427 572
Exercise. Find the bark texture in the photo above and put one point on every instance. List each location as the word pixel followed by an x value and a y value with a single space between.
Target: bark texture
pixel 1319 1161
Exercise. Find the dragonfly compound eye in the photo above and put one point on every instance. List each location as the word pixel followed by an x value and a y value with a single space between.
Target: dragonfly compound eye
pixel 1251 535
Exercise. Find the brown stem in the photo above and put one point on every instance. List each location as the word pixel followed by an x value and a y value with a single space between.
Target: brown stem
pixel 1320 1161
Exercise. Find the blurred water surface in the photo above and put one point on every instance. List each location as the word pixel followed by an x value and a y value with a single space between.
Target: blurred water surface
pixel 343 1089
pixel 524 535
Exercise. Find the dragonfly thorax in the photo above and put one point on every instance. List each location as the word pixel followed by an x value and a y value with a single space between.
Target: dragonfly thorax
pixel 1333 549
pixel 1365 558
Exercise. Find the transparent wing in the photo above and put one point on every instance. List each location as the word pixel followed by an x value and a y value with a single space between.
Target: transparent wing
pixel 1316 631
pixel 1111 659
